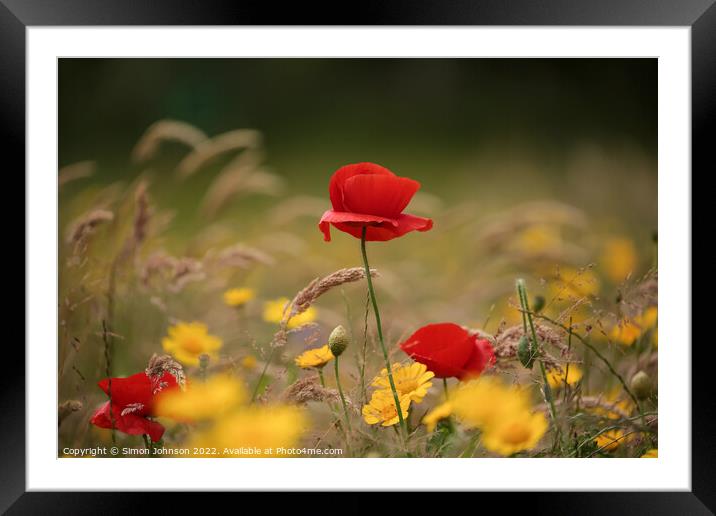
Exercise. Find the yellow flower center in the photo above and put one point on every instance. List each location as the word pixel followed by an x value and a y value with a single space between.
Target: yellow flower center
pixel 192 345
pixel 407 386
pixel 515 433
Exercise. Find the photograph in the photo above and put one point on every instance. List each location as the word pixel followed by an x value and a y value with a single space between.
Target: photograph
pixel 357 258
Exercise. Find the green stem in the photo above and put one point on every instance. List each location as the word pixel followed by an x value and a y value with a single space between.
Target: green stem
pixel 343 398
pixel 263 373
pixel 373 299
pixel 547 391
pixel 323 380
pixel 598 354
pixel 445 388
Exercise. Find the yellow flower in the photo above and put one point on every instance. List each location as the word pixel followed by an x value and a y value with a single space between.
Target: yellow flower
pixel 442 411
pixel 655 338
pixel 651 454
pixel 188 341
pixel 556 377
pixel 412 380
pixel 573 284
pixel 249 362
pixel 254 432
pixel 619 258
pixel 628 331
pixel 513 434
pixel 610 440
pixel 619 407
pixel 317 358
pixel 238 296
pixel 274 313
pixel 381 408
pixel 201 400
pixel 538 239
pixel 486 400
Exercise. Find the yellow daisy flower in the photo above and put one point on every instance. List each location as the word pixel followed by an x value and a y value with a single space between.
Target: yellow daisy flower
pixel 628 331
pixel 274 312
pixel 316 358
pixel 201 400
pixel 254 432
pixel 249 362
pixel 188 341
pixel 556 377
pixel 432 418
pixel 619 258
pixel 573 284
pixel 486 400
pixel 537 239
pixel 513 434
pixel 412 380
pixel 620 407
pixel 610 440
pixel 381 408
pixel 651 454
pixel 238 296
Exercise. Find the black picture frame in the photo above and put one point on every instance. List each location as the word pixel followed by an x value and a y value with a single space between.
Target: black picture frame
pixel 17 15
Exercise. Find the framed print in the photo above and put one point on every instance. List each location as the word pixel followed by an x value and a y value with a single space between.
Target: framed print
pixel 432 250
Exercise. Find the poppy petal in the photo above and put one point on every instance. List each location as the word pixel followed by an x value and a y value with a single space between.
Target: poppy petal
pixel 137 388
pixel 340 176
pixel 444 348
pixel 481 357
pixel 378 194
pixel 129 423
pixel 380 229
pixel 132 389
pixel 356 220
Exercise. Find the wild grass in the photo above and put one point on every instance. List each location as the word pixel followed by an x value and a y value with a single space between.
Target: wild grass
pixel 129 271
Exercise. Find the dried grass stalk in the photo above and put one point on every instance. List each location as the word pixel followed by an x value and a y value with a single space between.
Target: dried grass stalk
pixel 166 130
pixel 307 389
pixel 86 225
pixel 234 182
pixel 311 292
pixel 208 149
pixel 507 341
pixel 66 408
pixel 75 171
pixel 243 257
pixel 159 364
pixel 175 272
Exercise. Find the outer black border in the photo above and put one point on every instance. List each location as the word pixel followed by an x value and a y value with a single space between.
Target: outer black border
pixel 16 15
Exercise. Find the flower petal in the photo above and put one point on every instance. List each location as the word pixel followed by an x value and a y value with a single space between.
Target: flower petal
pixel 481 357
pixel 137 388
pixel 444 348
pixel 380 229
pixel 132 389
pixel 378 194
pixel 340 176
pixel 129 423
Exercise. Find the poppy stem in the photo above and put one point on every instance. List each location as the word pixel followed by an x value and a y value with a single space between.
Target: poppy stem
pixel 445 388
pixel 343 398
pixel 396 398
pixel 323 380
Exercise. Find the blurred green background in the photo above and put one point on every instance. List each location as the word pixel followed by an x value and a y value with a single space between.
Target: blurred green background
pixel 462 120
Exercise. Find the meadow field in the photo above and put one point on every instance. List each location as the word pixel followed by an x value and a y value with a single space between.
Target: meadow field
pixel 507 213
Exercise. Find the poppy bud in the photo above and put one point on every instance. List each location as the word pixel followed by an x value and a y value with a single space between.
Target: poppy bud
pixel 641 385
pixel 524 353
pixel 538 304
pixel 338 340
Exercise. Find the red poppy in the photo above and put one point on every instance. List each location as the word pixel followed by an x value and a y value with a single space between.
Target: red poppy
pixel 449 350
pixel 132 404
pixel 368 195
